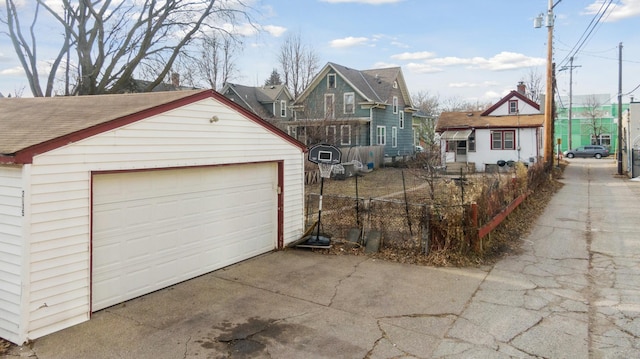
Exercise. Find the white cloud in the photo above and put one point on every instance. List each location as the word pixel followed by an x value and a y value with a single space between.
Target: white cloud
pixel 243 29
pixel 368 2
pixel 502 61
pixel 422 68
pixel 399 44
pixel 349 42
pixel 274 30
pixel 17 70
pixel 423 55
pixel 472 84
pixel 383 65
pixel 627 9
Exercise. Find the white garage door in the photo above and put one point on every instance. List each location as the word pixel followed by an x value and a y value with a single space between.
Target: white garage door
pixel 152 229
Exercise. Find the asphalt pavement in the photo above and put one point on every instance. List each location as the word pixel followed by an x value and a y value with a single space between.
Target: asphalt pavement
pixel 572 292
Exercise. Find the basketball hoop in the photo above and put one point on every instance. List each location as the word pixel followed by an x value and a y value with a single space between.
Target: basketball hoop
pixel 325 169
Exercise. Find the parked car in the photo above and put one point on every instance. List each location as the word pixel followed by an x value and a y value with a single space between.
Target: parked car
pixel 419 148
pixel 588 151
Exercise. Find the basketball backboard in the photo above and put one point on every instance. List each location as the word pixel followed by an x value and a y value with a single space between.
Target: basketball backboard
pixel 324 153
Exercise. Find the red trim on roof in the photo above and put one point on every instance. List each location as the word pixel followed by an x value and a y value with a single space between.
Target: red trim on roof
pixel 7 160
pixel 26 155
pixel 502 101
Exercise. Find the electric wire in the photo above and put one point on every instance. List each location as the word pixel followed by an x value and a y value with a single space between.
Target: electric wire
pixel 586 34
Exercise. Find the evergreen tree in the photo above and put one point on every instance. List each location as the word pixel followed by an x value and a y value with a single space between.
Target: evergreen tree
pixel 274 79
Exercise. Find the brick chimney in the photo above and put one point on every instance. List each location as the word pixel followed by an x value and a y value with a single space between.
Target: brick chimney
pixel 175 79
pixel 522 88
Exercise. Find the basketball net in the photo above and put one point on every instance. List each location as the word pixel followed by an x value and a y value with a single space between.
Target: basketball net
pixel 325 169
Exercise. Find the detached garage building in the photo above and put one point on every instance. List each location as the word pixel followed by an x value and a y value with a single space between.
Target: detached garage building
pixel 106 198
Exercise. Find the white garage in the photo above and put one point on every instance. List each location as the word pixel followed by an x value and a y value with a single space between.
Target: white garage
pixel 152 229
pixel 107 198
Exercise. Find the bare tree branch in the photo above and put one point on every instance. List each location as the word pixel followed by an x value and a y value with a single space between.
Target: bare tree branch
pixel 112 41
pixel 298 64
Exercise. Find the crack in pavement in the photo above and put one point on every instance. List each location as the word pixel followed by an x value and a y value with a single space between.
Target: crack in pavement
pixel 336 287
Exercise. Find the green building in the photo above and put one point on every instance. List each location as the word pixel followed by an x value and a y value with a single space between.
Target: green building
pixel 594 121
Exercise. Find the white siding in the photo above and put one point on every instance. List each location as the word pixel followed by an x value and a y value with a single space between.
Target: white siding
pixel 526 139
pixel 523 108
pixel 61 201
pixel 11 232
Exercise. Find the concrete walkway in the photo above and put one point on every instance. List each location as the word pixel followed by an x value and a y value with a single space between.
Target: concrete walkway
pixel 573 292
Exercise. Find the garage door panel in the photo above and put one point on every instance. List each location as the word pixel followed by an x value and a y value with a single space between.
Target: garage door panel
pixel 157 228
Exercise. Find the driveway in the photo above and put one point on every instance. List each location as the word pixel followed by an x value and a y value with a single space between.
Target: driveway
pixel 573 292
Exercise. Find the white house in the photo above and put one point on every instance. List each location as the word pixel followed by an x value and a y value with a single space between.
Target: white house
pixel 106 198
pixel 510 130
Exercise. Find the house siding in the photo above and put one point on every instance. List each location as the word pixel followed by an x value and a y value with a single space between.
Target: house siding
pixel 61 193
pixel 405 136
pixel 11 248
pixel 484 155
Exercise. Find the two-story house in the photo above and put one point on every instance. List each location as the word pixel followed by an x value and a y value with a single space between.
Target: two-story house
pixel 509 131
pixel 348 107
pixel 271 103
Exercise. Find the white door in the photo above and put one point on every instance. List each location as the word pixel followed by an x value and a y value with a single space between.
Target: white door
pixel 152 229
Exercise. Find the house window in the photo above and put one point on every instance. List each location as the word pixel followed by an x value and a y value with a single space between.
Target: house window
pixel 401 117
pixel 345 135
pixel 329 110
pixel 381 135
pixel 472 141
pixel 503 140
pixel 283 108
pixel 394 137
pixel 331 134
pixel 602 140
pixel 331 81
pixel 513 106
pixel 349 102
pixel 395 84
pixel 395 104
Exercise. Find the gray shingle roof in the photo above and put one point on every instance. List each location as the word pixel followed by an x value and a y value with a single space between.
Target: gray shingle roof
pixel 26 122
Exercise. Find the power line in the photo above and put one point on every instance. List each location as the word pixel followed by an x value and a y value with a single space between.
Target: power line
pixel 604 6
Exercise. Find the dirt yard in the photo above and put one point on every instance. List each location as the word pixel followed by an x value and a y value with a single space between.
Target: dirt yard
pixel 388 183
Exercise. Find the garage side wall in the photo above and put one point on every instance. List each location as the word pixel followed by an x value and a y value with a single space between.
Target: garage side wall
pixel 189 136
pixel 11 248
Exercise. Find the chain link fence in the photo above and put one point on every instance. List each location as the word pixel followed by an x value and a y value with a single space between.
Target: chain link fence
pixel 424 227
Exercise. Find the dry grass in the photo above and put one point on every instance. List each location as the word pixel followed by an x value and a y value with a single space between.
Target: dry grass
pixel 387 182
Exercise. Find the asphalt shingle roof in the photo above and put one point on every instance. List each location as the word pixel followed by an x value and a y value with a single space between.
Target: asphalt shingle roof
pixel 25 122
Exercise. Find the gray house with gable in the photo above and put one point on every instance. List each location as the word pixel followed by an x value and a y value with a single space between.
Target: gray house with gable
pixel 348 107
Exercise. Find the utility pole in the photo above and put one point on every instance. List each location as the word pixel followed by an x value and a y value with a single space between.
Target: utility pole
pixel 548 99
pixel 620 109
pixel 571 67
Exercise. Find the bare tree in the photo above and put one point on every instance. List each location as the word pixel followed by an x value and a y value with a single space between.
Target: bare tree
pixel 106 43
pixel 593 114
pixel 458 104
pixel 298 63
pixel 429 105
pixel 534 85
pixel 216 64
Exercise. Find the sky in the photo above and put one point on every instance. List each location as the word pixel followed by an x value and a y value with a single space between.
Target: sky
pixel 464 49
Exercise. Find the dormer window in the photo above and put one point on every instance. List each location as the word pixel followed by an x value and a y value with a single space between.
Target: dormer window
pixel 331 81
pixel 513 106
